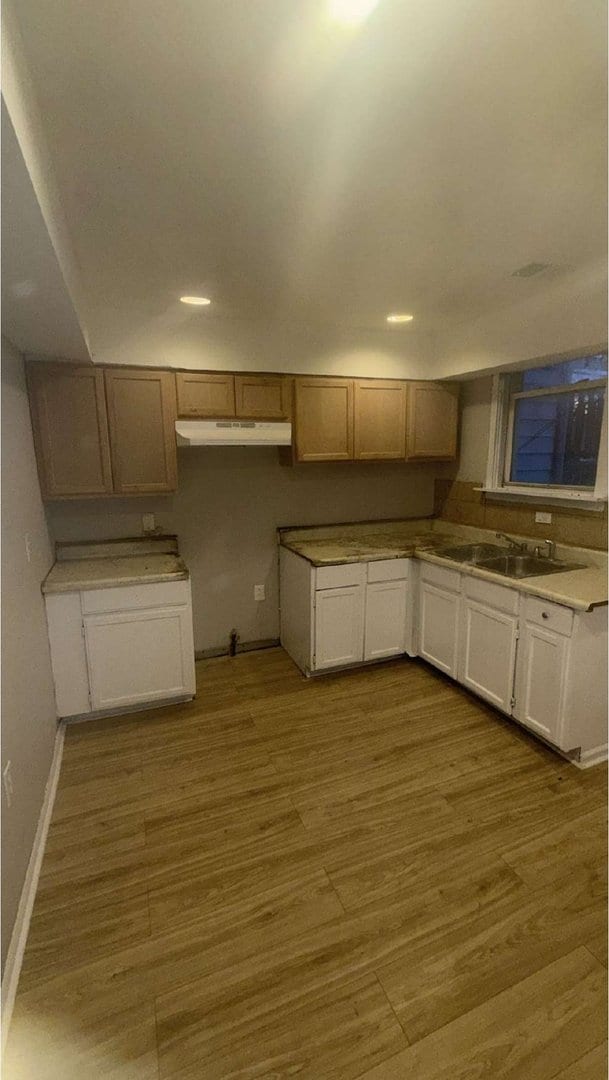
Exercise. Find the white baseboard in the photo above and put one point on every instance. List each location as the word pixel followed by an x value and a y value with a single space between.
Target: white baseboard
pixel 14 958
pixel 588 758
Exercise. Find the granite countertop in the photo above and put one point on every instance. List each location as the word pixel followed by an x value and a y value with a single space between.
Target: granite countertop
pixel 577 589
pixel 112 563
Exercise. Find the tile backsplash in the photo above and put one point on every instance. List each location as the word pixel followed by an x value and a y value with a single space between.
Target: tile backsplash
pixel 458 501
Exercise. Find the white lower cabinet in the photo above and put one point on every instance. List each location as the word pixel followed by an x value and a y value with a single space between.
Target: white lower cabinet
pixel 540 687
pixel 117 648
pixel 385 624
pixel 438 626
pixel 488 652
pixel 338 615
pixel 138 656
pixel 339 623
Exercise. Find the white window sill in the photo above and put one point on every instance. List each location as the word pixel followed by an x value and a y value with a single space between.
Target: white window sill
pixel 587 500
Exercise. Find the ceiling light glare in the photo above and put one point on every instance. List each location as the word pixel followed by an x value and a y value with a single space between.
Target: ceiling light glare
pixel 351 12
pixel 399 318
pixel 198 301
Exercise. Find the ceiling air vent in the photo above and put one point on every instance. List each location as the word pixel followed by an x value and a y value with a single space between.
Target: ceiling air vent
pixel 531 269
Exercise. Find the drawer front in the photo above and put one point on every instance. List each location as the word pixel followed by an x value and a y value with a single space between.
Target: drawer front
pixel 441 576
pixel 550 616
pixel 134 597
pixel 332 577
pixel 388 570
pixel 495 596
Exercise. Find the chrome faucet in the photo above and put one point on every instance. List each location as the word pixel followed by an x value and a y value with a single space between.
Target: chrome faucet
pixel 549 547
pixel 513 543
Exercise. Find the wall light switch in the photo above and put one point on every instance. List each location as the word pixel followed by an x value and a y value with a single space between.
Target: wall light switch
pixel 28 547
pixel 543 517
pixel 259 593
pixel 148 523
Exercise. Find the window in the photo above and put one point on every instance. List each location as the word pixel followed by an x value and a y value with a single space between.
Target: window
pixel 548 438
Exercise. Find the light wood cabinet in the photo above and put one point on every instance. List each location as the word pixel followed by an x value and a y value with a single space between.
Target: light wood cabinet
pixel 324 419
pixel 379 420
pixel 141 417
pixel 262 397
pixel 432 419
pixel 205 395
pixel 68 407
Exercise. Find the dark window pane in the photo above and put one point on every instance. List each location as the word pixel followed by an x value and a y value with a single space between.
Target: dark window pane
pixel 585 368
pixel 556 438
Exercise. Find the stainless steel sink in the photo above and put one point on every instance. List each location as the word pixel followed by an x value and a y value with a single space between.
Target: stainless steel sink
pixel 471 553
pixel 501 560
pixel 524 565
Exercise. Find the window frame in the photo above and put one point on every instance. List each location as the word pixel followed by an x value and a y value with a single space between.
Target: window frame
pixel 497 481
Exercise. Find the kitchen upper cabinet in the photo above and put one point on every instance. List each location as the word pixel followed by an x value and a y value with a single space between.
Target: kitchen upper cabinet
pixel 202 394
pixel 70 426
pixel 324 419
pixel 141 417
pixel 432 418
pixel 379 420
pixel 262 397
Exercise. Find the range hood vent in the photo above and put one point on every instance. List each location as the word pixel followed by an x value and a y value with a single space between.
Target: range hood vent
pixel 233 433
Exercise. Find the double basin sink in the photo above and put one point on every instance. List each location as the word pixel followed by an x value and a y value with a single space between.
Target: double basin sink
pixel 501 560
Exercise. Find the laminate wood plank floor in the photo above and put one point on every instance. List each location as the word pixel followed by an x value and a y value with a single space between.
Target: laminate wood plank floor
pixel 367 875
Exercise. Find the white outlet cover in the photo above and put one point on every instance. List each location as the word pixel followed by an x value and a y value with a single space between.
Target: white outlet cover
pixel 259 593
pixel 148 523
pixel 543 517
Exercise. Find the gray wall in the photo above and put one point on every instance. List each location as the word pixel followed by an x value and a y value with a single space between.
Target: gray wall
pixel 28 706
pixel 229 503
pixel 475 428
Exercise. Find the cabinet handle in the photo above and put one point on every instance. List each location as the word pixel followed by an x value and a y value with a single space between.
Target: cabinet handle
pixel 545 615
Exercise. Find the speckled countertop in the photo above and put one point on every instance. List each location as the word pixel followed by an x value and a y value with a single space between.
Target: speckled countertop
pixel 114 562
pixel 422 539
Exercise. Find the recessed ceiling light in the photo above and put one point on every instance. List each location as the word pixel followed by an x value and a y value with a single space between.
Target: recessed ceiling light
pixel 400 318
pixel 351 12
pixel 199 301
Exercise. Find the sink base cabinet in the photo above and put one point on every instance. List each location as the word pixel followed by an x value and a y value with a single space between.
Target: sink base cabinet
pixel 121 648
pixel 534 660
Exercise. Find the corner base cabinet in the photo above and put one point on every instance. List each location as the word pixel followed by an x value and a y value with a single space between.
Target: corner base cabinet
pixel 337 616
pixel 119 648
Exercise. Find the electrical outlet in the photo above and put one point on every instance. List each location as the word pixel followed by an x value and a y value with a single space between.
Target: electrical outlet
pixel 148 523
pixel 7 780
pixel 259 593
pixel 543 517
pixel 28 547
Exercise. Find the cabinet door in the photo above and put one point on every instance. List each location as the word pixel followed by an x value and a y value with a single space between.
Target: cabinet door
pixel 379 420
pixel 385 624
pixel 432 416
pixel 488 653
pixel 262 397
pixel 438 627
pixel 136 656
pixel 324 419
pixel 203 394
pixel 141 414
pixel 339 627
pixel 540 681
pixel 70 426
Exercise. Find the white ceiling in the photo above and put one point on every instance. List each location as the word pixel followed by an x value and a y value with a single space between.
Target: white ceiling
pixel 306 175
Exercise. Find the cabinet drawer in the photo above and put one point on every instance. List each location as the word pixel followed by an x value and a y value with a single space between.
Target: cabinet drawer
pixel 442 576
pixel 133 597
pixel 550 616
pixel 332 577
pixel 495 596
pixel 388 570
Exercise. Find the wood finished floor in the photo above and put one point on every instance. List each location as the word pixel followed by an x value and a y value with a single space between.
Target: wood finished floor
pixel 369 875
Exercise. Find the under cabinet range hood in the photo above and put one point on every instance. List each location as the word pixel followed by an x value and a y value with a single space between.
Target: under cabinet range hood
pixel 233 433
